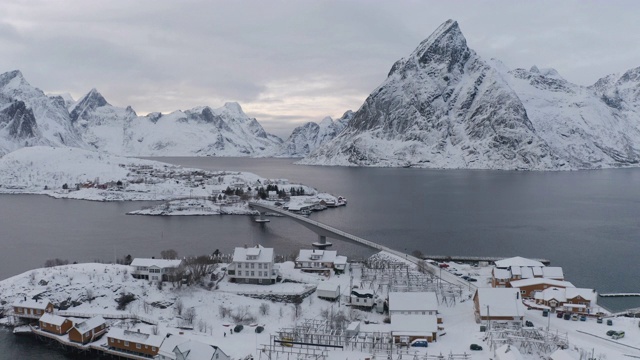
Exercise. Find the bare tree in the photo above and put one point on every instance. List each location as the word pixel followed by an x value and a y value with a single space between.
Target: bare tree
pixel 89 295
pixel 189 315
pixel 264 309
pixel 224 311
pixel 199 267
pixel 242 315
pixel 179 306
pixel 169 254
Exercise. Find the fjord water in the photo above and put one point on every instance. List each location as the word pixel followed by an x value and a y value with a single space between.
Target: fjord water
pixel 585 221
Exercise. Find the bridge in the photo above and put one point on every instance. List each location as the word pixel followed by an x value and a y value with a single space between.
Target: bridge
pixel 325 231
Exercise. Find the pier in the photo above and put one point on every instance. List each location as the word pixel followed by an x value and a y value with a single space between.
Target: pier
pixel 620 294
pixel 474 259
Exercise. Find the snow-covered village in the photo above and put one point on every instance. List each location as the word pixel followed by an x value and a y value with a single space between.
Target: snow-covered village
pixel 320 305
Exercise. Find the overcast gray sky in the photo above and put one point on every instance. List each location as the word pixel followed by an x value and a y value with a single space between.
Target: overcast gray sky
pixel 288 62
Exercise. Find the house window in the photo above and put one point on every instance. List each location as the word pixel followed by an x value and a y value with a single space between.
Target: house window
pixel 87 333
pixel 253 273
pixel 239 272
pixel 111 341
pixel 153 348
pixel 522 292
pixel 126 343
pixel 58 328
pixel 260 266
pixel 239 265
pixel 252 265
pixel 138 346
pixel 146 346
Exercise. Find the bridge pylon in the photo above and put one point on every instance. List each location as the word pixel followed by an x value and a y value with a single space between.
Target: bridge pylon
pixel 322 242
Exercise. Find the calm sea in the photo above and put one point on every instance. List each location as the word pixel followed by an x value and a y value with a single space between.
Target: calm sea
pixel 585 221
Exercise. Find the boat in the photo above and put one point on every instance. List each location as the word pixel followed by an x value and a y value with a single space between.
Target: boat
pixel 342 201
pixel 318 207
pixel 305 212
pixel 330 203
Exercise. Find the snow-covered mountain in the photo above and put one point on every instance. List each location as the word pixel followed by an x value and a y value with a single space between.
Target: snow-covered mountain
pixel 28 117
pixel 306 138
pixel 445 107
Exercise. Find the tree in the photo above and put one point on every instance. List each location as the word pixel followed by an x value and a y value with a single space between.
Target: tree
pixel 418 254
pixel 65 186
pixel 128 260
pixel 189 315
pixel 169 254
pixel 199 267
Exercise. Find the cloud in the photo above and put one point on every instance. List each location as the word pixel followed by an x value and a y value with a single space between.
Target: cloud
pixel 291 59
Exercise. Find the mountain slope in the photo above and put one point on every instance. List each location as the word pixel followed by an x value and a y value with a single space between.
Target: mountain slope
pixel 28 117
pixel 306 138
pixel 441 107
pixel 584 128
pixel 202 131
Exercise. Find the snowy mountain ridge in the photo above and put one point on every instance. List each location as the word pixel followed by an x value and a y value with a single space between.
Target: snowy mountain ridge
pixel 306 138
pixel 29 118
pixel 445 107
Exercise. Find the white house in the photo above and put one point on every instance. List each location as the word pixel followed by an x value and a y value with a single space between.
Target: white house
pixel 498 304
pixel 362 298
pixel 317 260
pixel 417 303
pixel 328 290
pixel 253 265
pixel 154 269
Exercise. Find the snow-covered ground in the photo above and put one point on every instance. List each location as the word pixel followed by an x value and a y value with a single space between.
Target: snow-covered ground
pixel 73 173
pixel 73 283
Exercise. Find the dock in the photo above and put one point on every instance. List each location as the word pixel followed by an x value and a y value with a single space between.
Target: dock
pixel 620 294
pixel 472 259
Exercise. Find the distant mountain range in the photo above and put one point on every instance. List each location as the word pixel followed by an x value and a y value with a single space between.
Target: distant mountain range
pixel 443 106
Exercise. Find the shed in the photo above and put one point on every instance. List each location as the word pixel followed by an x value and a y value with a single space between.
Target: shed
pixel 406 328
pixel 328 290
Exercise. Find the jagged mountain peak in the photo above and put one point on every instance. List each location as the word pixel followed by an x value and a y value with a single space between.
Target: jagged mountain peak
pixel 233 107
pixel 11 75
pixel 94 97
pixel 326 121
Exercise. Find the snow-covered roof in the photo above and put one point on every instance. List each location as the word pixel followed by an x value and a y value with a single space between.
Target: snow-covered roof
pixel 515 270
pixel 161 263
pixel 552 272
pixel 517 261
pixel 537 281
pixel 526 272
pixel 31 303
pixel 135 337
pixel 340 260
pixel 323 255
pixel 90 324
pixel 561 355
pixel 508 352
pixel 500 302
pixel 537 270
pixel 550 294
pixel 195 350
pixel 362 292
pixel 327 286
pixel 502 274
pixel 53 319
pixel 170 342
pixel 262 254
pixel 402 324
pixel 413 301
pixel 587 294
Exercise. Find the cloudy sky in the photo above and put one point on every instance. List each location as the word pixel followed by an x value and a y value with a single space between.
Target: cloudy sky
pixel 289 62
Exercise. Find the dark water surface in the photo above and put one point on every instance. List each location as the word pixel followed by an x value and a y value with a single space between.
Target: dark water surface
pixel 586 221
